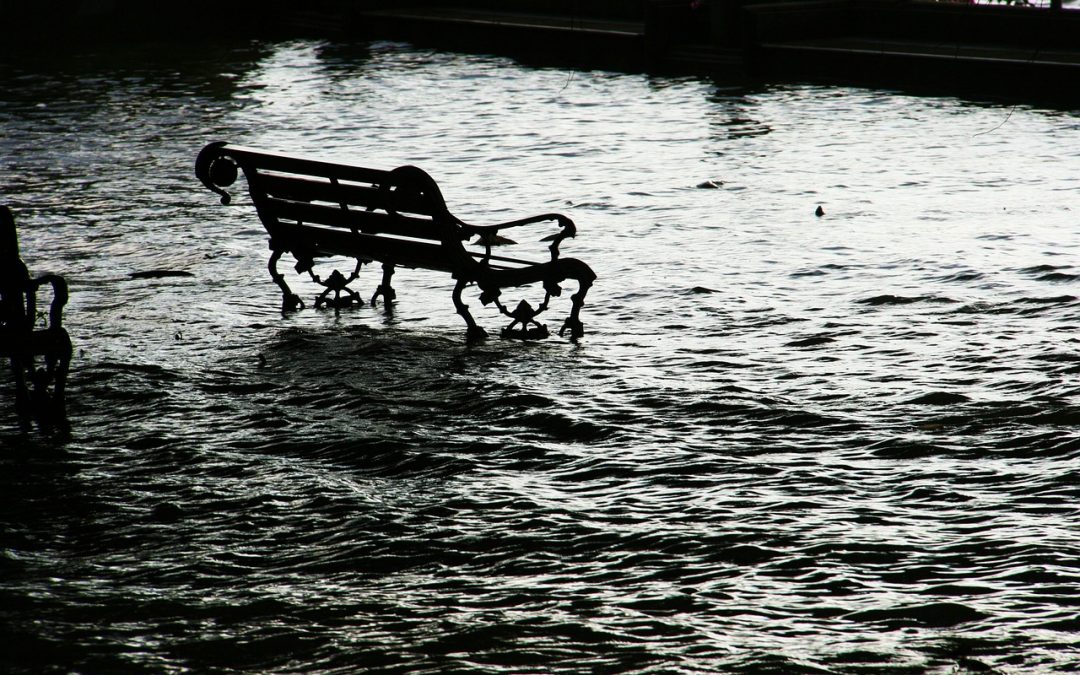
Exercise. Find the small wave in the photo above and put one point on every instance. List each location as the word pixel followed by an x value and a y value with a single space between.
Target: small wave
pixel 1055 300
pixel 814 341
pixel 1041 269
pixel 1058 277
pixel 939 398
pixel 961 277
pixel 808 273
pixel 889 299
pixel 902 449
pixel 560 426
pixel 936 615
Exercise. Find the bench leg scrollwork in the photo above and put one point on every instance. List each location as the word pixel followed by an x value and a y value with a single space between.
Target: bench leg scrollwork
pixel 524 315
pixel 290 302
pixel 337 283
pixel 39 389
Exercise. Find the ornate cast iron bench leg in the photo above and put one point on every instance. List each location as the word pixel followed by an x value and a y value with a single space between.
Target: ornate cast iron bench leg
pixel 290 302
pixel 473 332
pixel 50 407
pixel 573 323
pixel 385 289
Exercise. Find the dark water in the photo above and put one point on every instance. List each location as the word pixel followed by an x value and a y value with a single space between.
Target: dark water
pixel 844 444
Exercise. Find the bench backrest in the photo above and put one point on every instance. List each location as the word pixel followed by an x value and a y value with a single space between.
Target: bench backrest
pixel 14 277
pixel 18 290
pixel 290 191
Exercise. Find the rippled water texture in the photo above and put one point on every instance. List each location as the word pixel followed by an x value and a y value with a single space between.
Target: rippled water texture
pixel 787 443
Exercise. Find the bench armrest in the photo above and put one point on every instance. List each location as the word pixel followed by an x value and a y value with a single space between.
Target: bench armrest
pixel 489 234
pixel 59 299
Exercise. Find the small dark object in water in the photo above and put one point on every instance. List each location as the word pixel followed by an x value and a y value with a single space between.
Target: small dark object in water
pixel 23 342
pixel 819 212
pixel 316 209
pixel 159 274
pixel 710 185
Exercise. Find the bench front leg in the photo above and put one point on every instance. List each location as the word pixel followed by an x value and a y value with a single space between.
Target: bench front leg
pixel 473 332
pixel 289 301
pixel 33 399
pixel 577 300
pixel 385 289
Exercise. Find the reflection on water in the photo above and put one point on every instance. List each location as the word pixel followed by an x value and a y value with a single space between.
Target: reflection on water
pixel 788 442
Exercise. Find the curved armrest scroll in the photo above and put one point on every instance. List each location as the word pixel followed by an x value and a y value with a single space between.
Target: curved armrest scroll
pixel 488 233
pixel 60 298
pixel 216 169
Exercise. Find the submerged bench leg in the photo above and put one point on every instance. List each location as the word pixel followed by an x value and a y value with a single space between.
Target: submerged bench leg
pixel 33 399
pixel 573 323
pixel 289 301
pixel 385 289
pixel 60 372
pixel 22 394
pixel 473 331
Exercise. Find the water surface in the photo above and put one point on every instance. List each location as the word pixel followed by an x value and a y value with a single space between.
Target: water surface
pixel 787 443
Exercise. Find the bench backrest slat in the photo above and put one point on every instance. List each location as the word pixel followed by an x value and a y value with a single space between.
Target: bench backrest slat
pixel 272 161
pixel 347 196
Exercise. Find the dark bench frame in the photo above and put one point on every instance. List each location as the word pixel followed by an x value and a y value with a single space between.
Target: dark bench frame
pixel 316 209
pixel 23 341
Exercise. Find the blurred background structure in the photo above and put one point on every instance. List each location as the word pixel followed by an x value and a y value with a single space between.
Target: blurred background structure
pixel 1025 47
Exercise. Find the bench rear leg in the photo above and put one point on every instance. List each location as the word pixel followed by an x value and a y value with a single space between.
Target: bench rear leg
pixel 59 364
pixel 473 332
pixel 385 289
pixel 289 301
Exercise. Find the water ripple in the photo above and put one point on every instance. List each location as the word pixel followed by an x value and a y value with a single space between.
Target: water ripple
pixel 787 443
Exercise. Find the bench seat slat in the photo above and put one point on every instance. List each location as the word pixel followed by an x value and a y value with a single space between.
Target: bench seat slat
pixel 365 221
pixel 323 242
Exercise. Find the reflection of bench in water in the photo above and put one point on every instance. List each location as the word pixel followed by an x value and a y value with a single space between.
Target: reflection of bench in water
pixel 23 340
pixel 314 209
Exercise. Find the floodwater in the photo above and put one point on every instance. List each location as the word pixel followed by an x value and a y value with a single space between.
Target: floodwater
pixel 787 443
